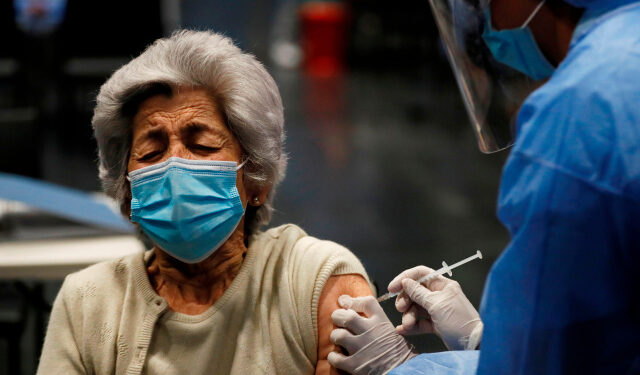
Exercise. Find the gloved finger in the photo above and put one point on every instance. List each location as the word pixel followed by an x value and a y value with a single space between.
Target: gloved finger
pixel 437 283
pixel 413 273
pixel 344 338
pixel 423 326
pixel 422 313
pixel 350 320
pixel 340 361
pixel 403 302
pixel 453 287
pixel 413 317
pixel 410 318
pixel 367 305
pixel 417 293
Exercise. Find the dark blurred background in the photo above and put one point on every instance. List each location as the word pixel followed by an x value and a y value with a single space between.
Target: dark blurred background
pixel 382 158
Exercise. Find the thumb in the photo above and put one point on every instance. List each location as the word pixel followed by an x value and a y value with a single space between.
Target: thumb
pixel 367 305
pixel 417 293
pixel 339 361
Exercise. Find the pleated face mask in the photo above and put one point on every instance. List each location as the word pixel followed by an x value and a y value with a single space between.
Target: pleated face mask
pixel 518 48
pixel 189 208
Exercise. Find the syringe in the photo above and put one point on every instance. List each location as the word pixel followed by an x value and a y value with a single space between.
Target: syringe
pixel 445 269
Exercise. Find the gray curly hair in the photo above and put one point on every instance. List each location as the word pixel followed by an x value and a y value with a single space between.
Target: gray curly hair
pixel 242 87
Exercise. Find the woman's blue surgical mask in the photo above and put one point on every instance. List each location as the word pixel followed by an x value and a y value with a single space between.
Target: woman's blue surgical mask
pixel 189 208
pixel 517 48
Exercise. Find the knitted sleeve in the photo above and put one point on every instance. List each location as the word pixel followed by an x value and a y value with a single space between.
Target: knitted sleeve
pixel 314 262
pixel 60 353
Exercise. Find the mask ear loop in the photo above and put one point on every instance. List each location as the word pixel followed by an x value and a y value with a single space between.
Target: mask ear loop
pixel 242 164
pixel 535 12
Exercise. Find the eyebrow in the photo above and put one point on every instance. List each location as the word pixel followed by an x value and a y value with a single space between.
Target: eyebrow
pixel 194 128
pixel 154 135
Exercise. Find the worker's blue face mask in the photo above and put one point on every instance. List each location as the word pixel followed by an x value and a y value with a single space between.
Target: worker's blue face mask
pixel 518 48
pixel 189 208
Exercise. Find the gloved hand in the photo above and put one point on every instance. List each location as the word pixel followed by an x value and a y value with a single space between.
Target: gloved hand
pixel 438 307
pixel 372 342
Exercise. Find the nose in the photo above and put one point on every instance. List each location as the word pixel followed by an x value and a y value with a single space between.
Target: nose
pixel 177 149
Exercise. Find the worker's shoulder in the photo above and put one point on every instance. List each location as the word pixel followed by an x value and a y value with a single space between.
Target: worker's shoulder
pixel 585 121
pixel 104 280
pixel 612 34
pixel 603 60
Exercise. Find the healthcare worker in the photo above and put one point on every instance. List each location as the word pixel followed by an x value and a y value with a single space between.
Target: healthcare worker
pixel 564 297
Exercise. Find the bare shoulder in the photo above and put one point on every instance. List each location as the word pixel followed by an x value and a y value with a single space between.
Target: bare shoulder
pixel 352 284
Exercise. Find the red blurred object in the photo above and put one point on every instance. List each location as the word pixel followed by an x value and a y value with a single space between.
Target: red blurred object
pixel 324 33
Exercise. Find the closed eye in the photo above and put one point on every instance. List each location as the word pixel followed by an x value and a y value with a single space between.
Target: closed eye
pixel 204 148
pixel 150 156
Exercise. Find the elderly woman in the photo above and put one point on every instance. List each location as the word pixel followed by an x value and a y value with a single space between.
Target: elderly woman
pixel 190 138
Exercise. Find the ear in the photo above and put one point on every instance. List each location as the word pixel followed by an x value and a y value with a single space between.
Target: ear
pixel 258 195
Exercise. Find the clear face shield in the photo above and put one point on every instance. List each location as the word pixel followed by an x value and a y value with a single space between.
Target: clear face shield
pixel 492 92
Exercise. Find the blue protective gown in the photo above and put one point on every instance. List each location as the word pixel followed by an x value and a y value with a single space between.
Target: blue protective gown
pixel 564 297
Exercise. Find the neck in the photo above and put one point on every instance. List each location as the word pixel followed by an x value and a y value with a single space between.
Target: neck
pixel 192 288
pixel 553 29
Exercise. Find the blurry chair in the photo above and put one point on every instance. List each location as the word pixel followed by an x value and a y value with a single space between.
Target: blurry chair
pixel 13 316
pixel 19 141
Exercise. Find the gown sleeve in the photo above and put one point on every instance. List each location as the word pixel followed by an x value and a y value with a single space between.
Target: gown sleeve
pixel 564 295
pixel 442 363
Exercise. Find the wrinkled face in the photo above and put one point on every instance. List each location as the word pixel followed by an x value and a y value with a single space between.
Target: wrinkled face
pixel 188 125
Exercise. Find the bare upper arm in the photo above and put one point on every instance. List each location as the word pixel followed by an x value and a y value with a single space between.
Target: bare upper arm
pixel 353 285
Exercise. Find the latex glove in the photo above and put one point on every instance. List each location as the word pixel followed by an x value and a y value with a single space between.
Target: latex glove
pixel 438 307
pixel 372 342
